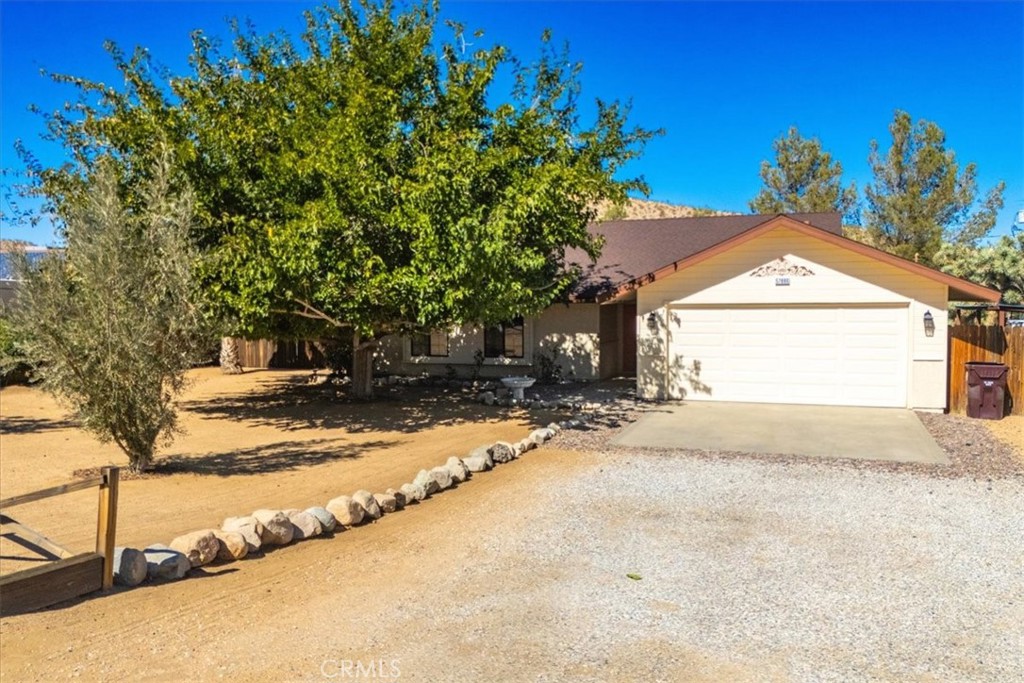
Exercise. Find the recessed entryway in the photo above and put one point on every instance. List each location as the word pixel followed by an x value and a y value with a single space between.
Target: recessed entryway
pixel 891 434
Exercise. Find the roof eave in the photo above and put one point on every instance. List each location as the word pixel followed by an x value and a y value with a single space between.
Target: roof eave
pixel 959 289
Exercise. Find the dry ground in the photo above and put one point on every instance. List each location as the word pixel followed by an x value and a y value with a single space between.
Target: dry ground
pixel 1009 430
pixel 281 617
pixel 751 571
pixel 262 439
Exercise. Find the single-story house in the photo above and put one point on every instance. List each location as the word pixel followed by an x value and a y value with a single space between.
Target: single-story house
pixel 774 309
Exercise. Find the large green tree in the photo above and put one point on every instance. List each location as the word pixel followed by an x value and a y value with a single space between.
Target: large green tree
pixel 368 178
pixel 920 198
pixel 112 322
pixel 804 178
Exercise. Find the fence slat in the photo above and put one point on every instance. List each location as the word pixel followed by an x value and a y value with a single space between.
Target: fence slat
pixel 281 353
pixel 27 535
pixel 32 589
pixel 986 343
pixel 53 491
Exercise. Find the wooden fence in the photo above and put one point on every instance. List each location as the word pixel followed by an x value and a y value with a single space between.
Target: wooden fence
pixel 269 353
pixel 68 575
pixel 989 343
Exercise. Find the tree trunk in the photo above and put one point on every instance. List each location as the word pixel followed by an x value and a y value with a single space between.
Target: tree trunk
pixel 362 367
pixel 229 363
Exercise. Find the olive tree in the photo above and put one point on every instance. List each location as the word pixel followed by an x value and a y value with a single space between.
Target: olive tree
pixel 111 322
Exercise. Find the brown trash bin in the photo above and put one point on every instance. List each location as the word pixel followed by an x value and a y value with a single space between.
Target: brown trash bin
pixel 986 390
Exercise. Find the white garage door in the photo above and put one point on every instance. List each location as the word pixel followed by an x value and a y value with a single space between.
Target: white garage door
pixel 813 355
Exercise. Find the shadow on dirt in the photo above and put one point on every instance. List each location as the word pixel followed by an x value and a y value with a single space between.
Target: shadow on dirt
pixel 266 459
pixel 270 458
pixel 289 405
pixel 32 425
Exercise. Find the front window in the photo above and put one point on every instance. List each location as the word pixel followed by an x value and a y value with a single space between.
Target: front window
pixel 433 343
pixel 504 340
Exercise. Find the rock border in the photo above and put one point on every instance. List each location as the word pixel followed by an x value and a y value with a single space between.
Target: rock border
pixel 243 537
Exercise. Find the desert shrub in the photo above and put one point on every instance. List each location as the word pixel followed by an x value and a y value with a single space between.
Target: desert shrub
pixel 111 323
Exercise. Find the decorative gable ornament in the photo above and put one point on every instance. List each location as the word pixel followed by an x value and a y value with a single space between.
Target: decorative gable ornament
pixel 781 268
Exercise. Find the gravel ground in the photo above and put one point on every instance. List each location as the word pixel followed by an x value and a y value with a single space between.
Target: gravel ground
pixel 974 451
pixel 586 563
pixel 747 570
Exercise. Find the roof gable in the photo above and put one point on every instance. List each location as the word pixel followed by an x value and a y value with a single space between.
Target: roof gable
pixel 633 249
pixel 636 256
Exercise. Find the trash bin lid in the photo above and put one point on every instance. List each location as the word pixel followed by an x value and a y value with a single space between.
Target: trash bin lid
pixel 986 370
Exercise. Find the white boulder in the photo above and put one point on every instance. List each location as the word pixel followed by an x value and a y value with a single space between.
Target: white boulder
pixel 503 452
pixel 442 476
pixel 129 566
pixel 250 529
pixel 164 563
pixel 327 520
pixel 233 545
pixel 347 511
pixel 369 503
pixel 457 469
pixel 386 502
pixel 413 492
pixel 398 496
pixel 200 547
pixel 427 481
pixel 277 529
pixel 306 525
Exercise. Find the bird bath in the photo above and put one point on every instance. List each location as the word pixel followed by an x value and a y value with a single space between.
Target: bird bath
pixel 517 384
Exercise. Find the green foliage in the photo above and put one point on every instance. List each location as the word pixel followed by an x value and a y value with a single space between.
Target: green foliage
pixel 920 198
pixel 13 365
pixel 615 212
pixel 804 179
pixel 702 211
pixel 549 370
pixel 360 178
pixel 999 266
pixel 112 323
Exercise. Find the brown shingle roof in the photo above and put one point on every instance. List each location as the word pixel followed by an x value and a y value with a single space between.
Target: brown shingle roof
pixel 636 248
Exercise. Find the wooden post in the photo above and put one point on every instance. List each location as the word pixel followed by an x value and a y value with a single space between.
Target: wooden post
pixel 106 525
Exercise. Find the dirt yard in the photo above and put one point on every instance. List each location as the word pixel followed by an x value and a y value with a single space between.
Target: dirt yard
pixel 581 565
pixel 261 439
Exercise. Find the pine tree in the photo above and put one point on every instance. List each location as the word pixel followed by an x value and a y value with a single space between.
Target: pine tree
pixel 804 179
pixel 920 198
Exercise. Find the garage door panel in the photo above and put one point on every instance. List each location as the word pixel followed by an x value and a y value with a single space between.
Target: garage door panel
pixel 818 342
pixel 813 355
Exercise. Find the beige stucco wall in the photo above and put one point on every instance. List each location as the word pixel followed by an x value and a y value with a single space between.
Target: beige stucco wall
pixel 569 332
pixel 840 277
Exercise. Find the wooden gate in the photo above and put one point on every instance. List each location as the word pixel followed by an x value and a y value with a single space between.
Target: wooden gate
pixel 989 343
pixel 68 575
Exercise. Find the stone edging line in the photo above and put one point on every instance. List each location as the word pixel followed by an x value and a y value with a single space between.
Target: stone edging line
pixel 239 537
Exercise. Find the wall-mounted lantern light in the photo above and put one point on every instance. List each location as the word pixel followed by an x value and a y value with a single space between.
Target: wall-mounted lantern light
pixel 652 322
pixel 929 324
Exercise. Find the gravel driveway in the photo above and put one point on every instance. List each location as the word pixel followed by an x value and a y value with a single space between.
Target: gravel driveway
pixel 749 570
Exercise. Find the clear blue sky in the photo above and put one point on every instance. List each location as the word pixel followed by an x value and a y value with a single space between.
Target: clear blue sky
pixel 723 78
